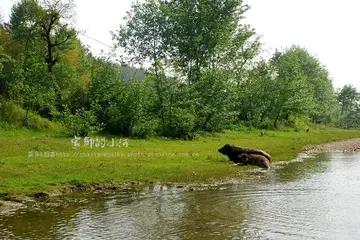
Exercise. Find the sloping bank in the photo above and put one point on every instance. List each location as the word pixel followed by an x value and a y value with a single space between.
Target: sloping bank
pixel 350 145
pixel 36 165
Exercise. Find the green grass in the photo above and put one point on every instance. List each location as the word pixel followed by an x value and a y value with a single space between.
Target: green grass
pixel 20 174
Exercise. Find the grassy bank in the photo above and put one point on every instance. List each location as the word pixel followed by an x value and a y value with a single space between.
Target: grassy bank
pixel 152 160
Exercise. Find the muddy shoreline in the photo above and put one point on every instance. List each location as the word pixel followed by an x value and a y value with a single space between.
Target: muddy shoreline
pixel 351 145
pixel 10 202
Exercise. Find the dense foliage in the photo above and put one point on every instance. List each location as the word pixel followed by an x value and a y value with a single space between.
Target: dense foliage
pixel 206 73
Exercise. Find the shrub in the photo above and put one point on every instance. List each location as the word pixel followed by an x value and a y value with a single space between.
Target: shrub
pixel 82 123
pixel 181 124
pixel 13 116
pixel 145 128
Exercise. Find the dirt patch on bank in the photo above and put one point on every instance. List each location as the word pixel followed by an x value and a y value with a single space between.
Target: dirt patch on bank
pixel 351 145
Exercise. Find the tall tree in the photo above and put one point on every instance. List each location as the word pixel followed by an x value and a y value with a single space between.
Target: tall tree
pixel 31 20
pixel 348 98
pixel 349 101
pixel 199 27
pixel 236 56
pixel 190 34
pixel 144 35
pixel 41 27
pixel 293 94
pixel 255 100
pixel 191 39
pixel 318 78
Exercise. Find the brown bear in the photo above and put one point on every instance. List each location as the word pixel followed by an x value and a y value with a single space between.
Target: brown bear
pixel 234 152
pixel 255 159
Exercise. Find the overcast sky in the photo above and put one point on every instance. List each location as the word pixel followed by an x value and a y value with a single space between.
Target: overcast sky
pixel 328 29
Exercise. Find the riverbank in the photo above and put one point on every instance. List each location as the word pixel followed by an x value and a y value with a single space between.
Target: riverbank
pixel 38 164
pixel 350 145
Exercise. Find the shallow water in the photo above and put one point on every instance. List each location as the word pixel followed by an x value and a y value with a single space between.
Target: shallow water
pixel 311 199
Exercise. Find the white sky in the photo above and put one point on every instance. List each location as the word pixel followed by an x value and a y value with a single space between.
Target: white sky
pixel 326 28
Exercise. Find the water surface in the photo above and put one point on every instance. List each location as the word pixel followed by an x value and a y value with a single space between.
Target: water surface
pixel 311 199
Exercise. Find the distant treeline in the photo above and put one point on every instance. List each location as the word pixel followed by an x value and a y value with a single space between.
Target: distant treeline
pixel 206 73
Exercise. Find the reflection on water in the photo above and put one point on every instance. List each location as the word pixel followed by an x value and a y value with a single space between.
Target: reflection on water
pixel 311 199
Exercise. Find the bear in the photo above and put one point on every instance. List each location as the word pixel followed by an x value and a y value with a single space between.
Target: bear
pixel 234 152
pixel 255 159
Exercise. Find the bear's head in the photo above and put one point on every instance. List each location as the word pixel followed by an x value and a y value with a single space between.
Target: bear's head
pixel 226 149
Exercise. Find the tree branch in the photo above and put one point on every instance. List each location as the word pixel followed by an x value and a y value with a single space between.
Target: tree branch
pixel 62 42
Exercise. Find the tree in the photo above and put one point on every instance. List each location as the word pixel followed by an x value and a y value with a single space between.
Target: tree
pixel 348 98
pixel 352 119
pixel 3 58
pixel 255 100
pixel 213 101
pixel 293 95
pixel 10 53
pixel 40 26
pixel 318 78
pixel 144 35
pixel 199 28
pixel 190 35
pixel 43 21
pixel 235 56
pixel 191 40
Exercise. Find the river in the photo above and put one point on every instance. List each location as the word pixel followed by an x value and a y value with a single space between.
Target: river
pixel 315 198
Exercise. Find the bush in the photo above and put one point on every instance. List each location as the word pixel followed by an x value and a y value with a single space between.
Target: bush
pixel 267 123
pixel 299 123
pixel 11 113
pixel 13 116
pixel 82 123
pixel 181 124
pixel 144 129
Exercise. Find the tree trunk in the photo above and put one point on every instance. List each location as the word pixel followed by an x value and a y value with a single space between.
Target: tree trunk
pixel 276 119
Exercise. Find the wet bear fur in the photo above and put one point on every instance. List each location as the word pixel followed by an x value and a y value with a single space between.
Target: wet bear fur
pixel 255 160
pixel 234 152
